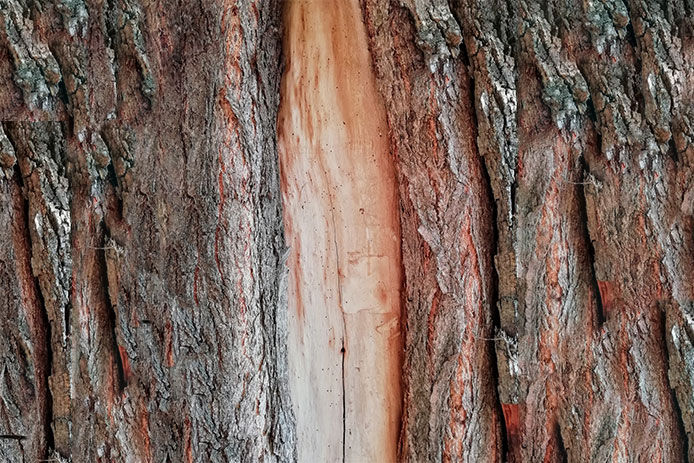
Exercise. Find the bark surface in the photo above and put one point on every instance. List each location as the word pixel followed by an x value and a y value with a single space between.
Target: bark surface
pixel 488 210
pixel 142 244
pixel 555 138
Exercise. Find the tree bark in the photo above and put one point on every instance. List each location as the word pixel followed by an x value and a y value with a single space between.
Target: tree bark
pixel 554 137
pixel 142 247
pixel 488 218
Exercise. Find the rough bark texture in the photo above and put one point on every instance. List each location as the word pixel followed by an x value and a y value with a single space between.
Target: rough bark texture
pixel 450 406
pixel 488 205
pixel 555 137
pixel 142 245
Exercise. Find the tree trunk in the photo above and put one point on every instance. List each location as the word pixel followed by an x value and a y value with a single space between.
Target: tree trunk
pixel 488 218
pixel 143 246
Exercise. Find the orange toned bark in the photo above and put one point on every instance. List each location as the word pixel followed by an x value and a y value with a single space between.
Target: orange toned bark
pixel 607 295
pixel 512 420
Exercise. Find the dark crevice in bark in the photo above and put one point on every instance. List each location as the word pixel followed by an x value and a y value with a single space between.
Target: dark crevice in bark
pixel 512 197
pixel 494 282
pixel 111 318
pixel 630 35
pixel 590 111
pixel 598 141
pixel 41 334
pixel 561 448
pixel 583 217
pixel 111 174
pixel 495 315
pixel 673 395
pixel 62 92
pixel 12 436
pixel 66 317
pixel 672 150
pixel 680 423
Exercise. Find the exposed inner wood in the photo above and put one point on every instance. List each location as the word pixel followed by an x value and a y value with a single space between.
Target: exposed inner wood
pixel 341 219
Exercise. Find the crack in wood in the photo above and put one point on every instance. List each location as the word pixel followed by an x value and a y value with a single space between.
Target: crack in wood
pixel 600 289
pixel 338 275
pixel 494 300
pixel 673 394
pixel 36 314
pixel 119 353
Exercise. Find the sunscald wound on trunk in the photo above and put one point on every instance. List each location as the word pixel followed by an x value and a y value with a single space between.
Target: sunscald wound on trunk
pixel 342 225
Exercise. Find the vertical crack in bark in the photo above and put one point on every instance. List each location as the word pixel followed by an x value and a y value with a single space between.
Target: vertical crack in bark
pixel 583 217
pixel 111 316
pixel 37 316
pixel 561 448
pixel 494 282
pixel 673 394
pixel 494 248
pixel 494 301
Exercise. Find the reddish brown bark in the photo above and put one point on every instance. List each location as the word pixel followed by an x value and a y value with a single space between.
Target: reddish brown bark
pixel 149 229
